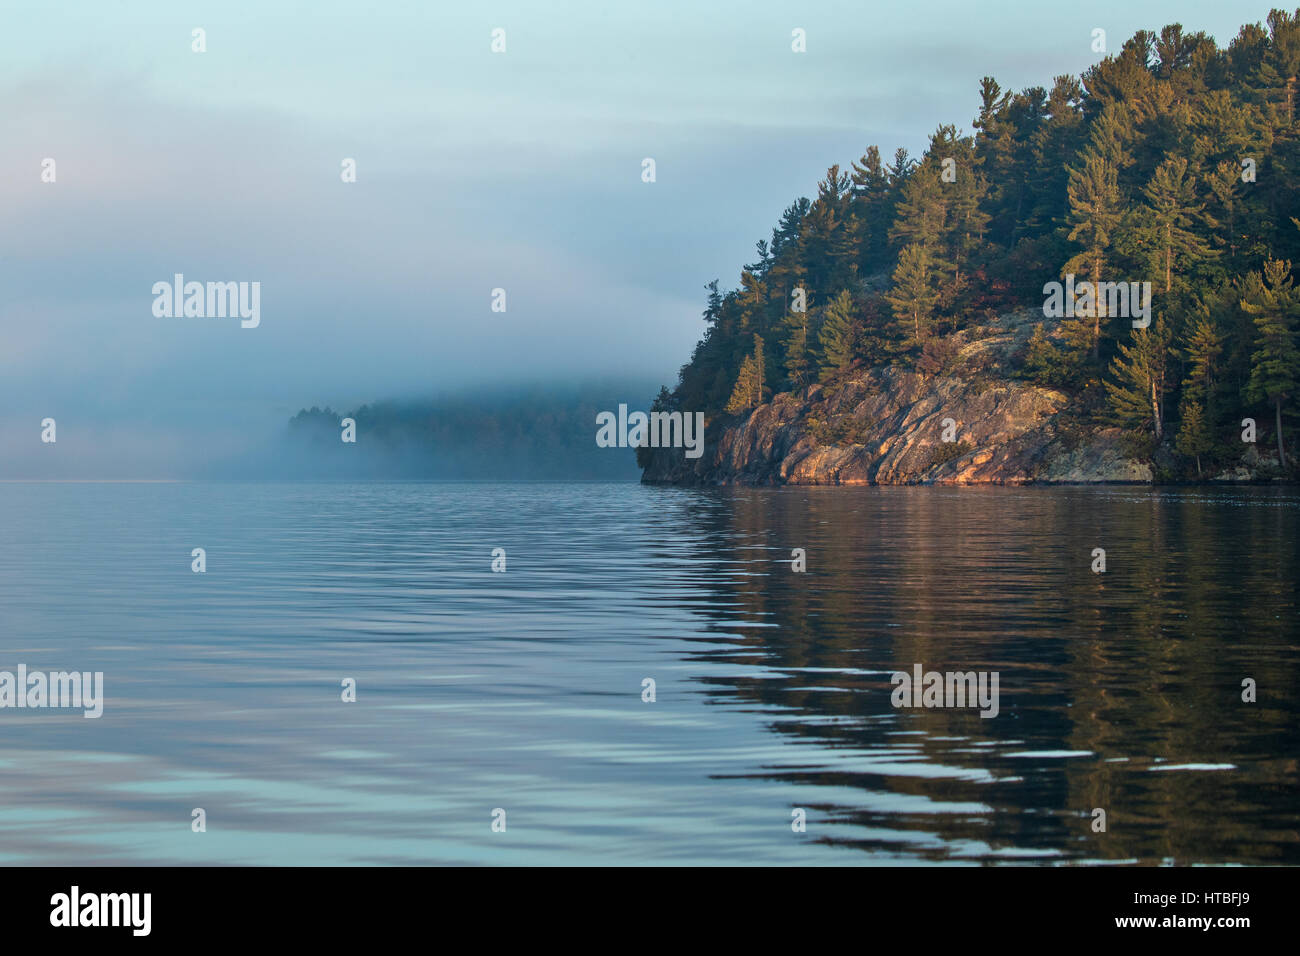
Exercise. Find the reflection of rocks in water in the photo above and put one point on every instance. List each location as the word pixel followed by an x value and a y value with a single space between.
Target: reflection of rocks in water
pixel 1105 678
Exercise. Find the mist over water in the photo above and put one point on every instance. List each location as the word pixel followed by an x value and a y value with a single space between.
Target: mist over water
pixel 543 431
pixel 522 690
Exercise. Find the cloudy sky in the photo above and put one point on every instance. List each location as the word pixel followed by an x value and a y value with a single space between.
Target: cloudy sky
pixel 475 170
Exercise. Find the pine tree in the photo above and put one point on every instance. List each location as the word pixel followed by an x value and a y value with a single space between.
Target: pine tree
pixel 838 337
pixel 1277 73
pixel 749 389
pixel 831 234
pixel 1056 137
pixel 752 295
pixel 1203 345
pixel 1110 137
pixel 901 169
pixel 1194 438
pixel 796 362
pixel 1137 392
pixel 1227 129
pixel 760 267
pixel 968 222
pixel 996 145
pixel 1223 181
pixel 1172 211
pixel 1095 212
pixel 914 293
pixel 1049 365
pixel 924 211
pixel 787 271
pixel 1275 364
pixel 713 311
pixel 871 209
pixel 742 396
pixel 1007 162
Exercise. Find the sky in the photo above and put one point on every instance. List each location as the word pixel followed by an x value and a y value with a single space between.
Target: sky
pixel 475 171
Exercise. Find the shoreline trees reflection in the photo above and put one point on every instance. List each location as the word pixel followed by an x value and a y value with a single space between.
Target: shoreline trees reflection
pixel 1120 690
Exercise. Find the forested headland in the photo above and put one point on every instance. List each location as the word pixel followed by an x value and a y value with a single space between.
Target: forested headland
pixel 1173 161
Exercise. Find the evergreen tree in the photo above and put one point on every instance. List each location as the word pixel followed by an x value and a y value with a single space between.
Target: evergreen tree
pixel 1123 81
pixel 1276 75
pixel 837 339
pixel 871 209
pixel 1055 138
pixel 797 363
pixel 996 147
pixel 1222 181
pixel 900 170
pixel 787 271
pixel 1225 130
pixel 1271 301
pixel 760 267
pixel 830 235
pixel 968 222
pixel 1194 438
pixel 1137 392
pixel 923 213
pixel 1111 137
pixel 749 391
pixel 1095 213
pixel 1172 211
pixel 751 299
pixel 1203 345
pixel 914 293
pixel 713 311
pixel 1006 147
pixel 1047 364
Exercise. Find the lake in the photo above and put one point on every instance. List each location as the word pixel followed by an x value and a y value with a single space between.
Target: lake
pixel 522 691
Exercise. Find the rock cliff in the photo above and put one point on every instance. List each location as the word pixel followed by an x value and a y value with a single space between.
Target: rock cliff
pixel 888 425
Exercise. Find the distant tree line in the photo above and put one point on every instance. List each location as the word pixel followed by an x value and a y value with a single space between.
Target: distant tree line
pixel 532 433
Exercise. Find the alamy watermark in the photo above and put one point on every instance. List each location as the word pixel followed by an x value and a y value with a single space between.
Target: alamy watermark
pixel 75 908
pixel 656 430
pixel 211 300
pixel 950 689
pixel 1129 300
pixel 62 689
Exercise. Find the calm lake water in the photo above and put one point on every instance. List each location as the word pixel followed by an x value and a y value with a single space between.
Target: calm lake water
pixel 523 690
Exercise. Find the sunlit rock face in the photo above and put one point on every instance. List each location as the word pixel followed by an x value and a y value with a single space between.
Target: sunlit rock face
pixel 975 423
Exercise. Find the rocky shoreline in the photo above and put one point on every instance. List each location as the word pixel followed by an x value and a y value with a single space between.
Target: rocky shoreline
pixel 887 426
